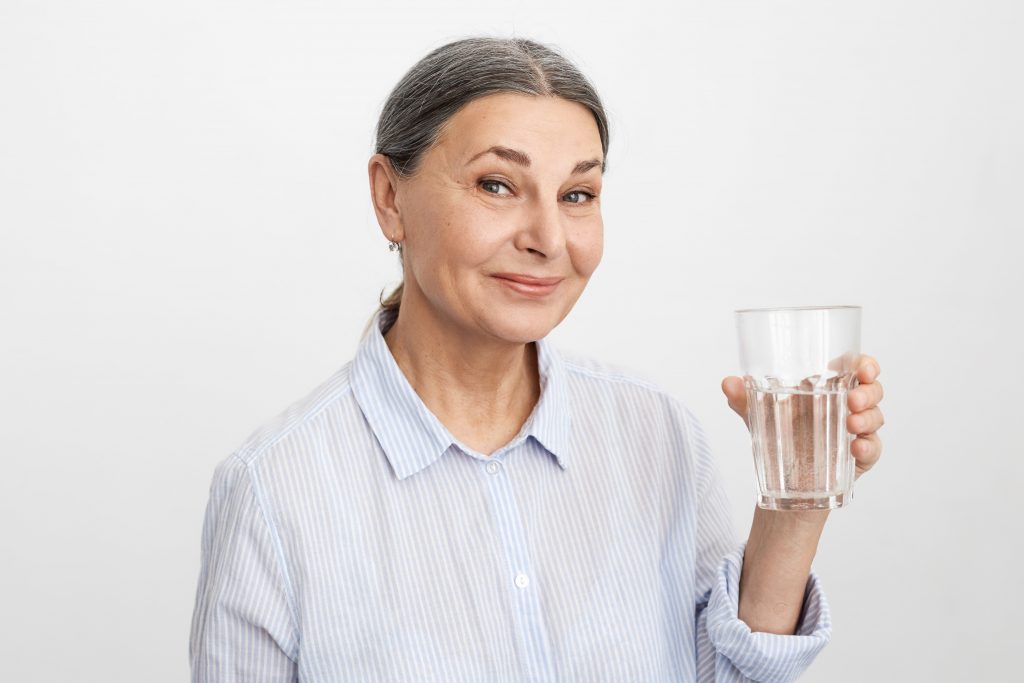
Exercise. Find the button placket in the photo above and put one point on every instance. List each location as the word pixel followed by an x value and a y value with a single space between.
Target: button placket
pixel 531 632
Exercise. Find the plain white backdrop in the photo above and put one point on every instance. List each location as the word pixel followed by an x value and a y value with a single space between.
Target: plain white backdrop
pixel 187 246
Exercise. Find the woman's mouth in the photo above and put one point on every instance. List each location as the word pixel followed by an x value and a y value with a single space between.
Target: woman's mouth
pixel 533 287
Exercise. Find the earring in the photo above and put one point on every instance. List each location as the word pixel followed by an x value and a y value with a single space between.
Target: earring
pixel 394 246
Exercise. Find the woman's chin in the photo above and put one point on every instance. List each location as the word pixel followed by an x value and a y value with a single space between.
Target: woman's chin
pixel 523 327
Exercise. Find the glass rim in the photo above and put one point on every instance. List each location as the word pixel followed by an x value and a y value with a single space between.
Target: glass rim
pixel 793 308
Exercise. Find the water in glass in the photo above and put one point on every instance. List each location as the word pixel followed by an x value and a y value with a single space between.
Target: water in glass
pixel 801 446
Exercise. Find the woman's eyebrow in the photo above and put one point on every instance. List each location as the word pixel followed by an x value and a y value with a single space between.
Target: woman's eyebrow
pixel 584 166
pixel 523 159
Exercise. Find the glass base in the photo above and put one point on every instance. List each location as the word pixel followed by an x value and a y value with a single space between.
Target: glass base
pixel 809 503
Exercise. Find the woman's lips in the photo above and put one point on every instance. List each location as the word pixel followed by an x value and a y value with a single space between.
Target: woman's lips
pixel 531 287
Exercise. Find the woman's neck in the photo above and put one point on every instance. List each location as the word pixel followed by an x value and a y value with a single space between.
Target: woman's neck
pixel 481 388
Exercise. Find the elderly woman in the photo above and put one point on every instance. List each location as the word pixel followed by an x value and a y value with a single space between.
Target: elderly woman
pixel 462 501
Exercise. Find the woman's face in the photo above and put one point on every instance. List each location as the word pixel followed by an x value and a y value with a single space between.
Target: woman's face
pixel 509 190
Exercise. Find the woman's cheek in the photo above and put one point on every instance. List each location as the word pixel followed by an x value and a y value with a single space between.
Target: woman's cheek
pixel 589 249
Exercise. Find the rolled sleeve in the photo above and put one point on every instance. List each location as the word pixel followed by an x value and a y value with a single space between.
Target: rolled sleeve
pixel 763 656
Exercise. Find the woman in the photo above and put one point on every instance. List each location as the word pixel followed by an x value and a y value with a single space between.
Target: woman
pixel 462 502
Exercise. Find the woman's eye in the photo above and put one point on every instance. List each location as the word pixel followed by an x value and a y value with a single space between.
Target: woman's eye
pixel 487 184
pixel 590 197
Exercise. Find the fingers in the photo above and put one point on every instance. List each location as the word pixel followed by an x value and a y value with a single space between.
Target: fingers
pixel 865 396
pixel 866 450
pixel 868 369
pixel 865 422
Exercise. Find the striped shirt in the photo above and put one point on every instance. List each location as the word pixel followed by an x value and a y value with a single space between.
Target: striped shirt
pixel 354 538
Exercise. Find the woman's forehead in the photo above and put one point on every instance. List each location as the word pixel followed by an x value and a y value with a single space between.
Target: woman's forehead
pixel 522 130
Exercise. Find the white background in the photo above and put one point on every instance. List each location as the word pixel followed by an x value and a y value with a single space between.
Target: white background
pixel 188 246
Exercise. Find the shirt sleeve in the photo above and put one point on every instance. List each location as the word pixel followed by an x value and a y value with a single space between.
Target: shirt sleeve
pixel 727 650
pixel 243 627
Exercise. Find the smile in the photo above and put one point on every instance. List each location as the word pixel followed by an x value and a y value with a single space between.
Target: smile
pixel 534 289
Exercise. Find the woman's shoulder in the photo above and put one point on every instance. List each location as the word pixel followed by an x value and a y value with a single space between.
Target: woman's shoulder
pixel 606 371
pixel 298 416
pixel 588 372
pixel 609 395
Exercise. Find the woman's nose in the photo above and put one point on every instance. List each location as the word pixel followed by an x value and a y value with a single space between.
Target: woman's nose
pixel 543 231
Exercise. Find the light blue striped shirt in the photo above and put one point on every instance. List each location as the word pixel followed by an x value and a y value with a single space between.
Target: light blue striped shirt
pixel 353 538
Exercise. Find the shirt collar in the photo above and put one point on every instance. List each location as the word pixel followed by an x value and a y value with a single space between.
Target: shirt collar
pixel 411 435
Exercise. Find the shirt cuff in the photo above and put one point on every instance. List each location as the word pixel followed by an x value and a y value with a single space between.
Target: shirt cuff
pixel 765 656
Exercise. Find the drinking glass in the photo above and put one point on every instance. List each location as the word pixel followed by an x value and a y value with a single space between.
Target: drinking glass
pixel 798 365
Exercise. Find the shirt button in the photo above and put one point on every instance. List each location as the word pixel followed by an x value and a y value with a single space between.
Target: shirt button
pixel 522 580
pixel 493 467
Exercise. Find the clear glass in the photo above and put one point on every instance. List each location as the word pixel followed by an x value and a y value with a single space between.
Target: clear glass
pixel 798 365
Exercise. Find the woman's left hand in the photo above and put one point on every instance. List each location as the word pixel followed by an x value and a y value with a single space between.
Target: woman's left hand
pixel 865 416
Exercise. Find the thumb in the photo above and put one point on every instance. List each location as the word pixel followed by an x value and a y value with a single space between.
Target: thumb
pixel 736 393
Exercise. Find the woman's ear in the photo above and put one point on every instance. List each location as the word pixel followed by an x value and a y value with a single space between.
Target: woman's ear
pixel 383 193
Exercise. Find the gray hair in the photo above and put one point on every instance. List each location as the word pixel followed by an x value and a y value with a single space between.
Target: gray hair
pixel 452 76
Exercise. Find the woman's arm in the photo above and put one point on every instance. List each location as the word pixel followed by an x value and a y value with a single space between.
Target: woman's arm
pixel 776 565
pixel 243 628
pixel 782 544
pixel 726 649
